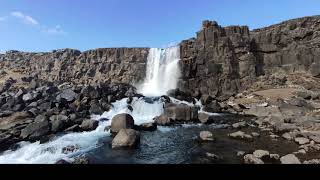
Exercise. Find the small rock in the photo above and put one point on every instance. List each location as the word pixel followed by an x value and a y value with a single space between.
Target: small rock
pixel 287 136
pixel 206 136
pixel 62 162
pixel 126 138
pixel 316 139
pixel 148 127
pixel 254 134
pixel 241 135
pixel 241 153
pixel 313 161
pixel 261 153
pixel 275 156
pixel 301 140
pixel 163 120
pixel 290 159
pixel 239 125
pixel 213 156
pixel 74 128
pixel 70 149
pixel 273 136
pixel 81 160
pixel 203 118
pixel 89 125
pixel 251 159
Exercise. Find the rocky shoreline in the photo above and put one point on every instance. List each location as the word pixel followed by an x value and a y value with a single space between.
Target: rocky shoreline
pixel 269 74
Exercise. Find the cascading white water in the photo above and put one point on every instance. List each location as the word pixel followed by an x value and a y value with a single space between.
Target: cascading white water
pixel 163 71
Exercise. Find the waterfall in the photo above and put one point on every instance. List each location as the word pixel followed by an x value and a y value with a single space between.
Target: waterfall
pixel 163 71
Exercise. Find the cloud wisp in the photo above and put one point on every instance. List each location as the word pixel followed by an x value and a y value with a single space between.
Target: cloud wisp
pixel 27 19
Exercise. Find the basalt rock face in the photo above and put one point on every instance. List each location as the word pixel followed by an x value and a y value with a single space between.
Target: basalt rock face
pixel 222 61
pixel 124 65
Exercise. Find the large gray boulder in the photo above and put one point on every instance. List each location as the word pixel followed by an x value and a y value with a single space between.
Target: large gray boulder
pixel 181 112
pixel 126 138
pixel 121 121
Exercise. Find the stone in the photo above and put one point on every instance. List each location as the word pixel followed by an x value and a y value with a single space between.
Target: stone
pixel 241 135
pixel 251 159
pixel 290 159
pixel 122 121
pixel 261 153
pixel 241 153
pixel 163 120
pixel 313 161
pixel 62 162
pixel 89 125
pixel 239 125
pixel 67 95
pixel 275 157
pixel 70 149
pixel 96 109
pixel 288 136
pixel 181 112
pixel 316 139
pixel 284 127
pixel 206 136
pixel 81 160
pixel 301 140
pixel 126 138
pixel 204 118
pixel 213 156
pixel 254 134
pixel 147 127
pixel 74 128
pixel 36 130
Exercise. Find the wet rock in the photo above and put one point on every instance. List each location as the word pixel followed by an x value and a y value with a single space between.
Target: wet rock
pixel 251 159
pixel 212 107
pixel 122 121
pixel 239 125
pixel 96 109
pixel 89 125
pixel 204 118
pixel 290 159
pixel 241 136
pixel 284 127
pixel 81 160
pixel 163 120
pixel 275 157
pixel 70 149
pixel 261 154
pixel 241 153
pixel 74 128
pixel 147 127
pixel 126 138
pixel 254 134
pixel 213 156
pixel 301 140
pixel 181 112
pixel 313 161
pixel 67 95
pixel 36 130
pixel 206 136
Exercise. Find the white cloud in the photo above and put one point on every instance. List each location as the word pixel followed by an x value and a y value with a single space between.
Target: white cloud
pixel 55 30
pixel 25 18
pixel 32 21
pixel 4 18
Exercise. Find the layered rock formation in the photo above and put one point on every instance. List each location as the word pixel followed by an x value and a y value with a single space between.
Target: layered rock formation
pixel 219 61
pixel 222 61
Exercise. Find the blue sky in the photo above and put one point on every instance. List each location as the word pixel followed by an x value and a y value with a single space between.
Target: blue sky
pixel 44 25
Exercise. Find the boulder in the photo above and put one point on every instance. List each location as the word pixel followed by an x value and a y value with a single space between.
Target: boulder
pixel 181 112
pixel 96 109
pixel 290 159
pixel 241 135
pixel 163 120
pixel 126 138
pixel 251 159
pixel 36 130
pixel 284 127
pixel 301 140
pixel 206 136
pixel 89 125
pixel 204 118
pixel 261 154
pixel 122 121
pixel 147 127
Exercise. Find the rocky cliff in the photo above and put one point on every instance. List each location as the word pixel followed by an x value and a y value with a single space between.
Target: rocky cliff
pixel 123 65
pixel 219 61
pixel 222 61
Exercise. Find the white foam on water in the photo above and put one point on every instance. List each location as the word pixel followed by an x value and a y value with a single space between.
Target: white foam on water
pixel 162 73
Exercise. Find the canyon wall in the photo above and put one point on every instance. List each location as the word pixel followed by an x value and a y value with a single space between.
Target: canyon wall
pixel 222 61
pixel 219 61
